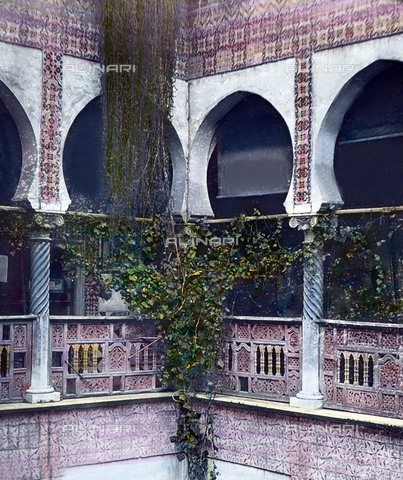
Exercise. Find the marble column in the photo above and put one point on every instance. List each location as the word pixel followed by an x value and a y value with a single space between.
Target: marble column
pixel 310 397
pixel 41 389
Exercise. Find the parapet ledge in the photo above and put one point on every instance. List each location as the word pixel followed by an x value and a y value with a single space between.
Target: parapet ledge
pixel 325 414
pixel 86 402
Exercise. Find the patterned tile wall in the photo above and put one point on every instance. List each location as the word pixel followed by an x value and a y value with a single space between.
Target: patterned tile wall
pixel 40 446
pixel 223 36
pixel 69 26
pixel 307 449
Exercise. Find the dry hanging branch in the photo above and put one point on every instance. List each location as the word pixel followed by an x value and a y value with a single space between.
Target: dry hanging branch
pixel 138 101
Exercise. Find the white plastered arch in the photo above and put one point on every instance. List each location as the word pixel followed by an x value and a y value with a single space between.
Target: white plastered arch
pixel 338 78
pixel 81 85
pixel 211 98
pixel 20 90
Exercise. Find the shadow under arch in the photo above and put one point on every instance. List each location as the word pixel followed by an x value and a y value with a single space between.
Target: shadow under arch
pixel 323 172
pixel 21 181
pixel 84 158
pixel 203 146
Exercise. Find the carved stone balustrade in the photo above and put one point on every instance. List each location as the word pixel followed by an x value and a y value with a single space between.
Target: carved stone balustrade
pixel 101 355
pixel 15 356
pixel 262 357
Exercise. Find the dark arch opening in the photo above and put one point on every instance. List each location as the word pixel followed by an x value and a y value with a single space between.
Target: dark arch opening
pixel 251 164
pixel 368 160
pixel 10 155
pixel 83 159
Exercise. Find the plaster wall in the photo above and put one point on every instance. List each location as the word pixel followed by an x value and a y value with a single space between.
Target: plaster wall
pixel 235 471
pixel 21 72
pixel 164 468
pixel 158 468
pixel 179 146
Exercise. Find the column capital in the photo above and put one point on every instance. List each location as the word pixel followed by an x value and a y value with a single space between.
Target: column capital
pixel 303 222
pixel 48 221
pixel 43 224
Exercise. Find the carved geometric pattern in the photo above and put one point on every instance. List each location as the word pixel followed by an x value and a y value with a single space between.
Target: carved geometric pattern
pixel 388 402
pixel 19 385
pixel 243 357
pixel 5 391
pixel 362 337
pixel 268 332
pixel 303 112
pixel 141 382
pixel 368 371
pixel 329 387
pixel 390 374
pixel 339 336
pixel 277 387
pixel 362 399
pixel 94 385
pixel 390 340
pixel 117 359
pixel 328 365
pixel 243 331
pixel 329 343
pixel 57 381
pixel 306 449
pixel 251 32
pixel 20 336
pixel 339 395
pixel 92 360
pixel 273 350
pixel 293 363
pixel 95 332
pixel 294 385
pixel 72 331
pixel 57 336
pixel 293 336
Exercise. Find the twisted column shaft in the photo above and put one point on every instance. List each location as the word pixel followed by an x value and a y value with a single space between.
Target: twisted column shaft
pixel 310 396
pixel 40 276
pixel 313 285
pixel 41 389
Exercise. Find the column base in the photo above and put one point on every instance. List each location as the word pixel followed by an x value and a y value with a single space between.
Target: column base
pixel 41 396
pixel 307 401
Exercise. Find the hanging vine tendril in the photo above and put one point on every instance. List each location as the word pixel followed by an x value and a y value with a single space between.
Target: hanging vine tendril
pixel 139 59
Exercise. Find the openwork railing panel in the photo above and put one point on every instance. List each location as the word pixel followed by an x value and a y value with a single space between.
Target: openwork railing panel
pixel 363 369
pixel 263 358
pixel 102 357
pixel 15 357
